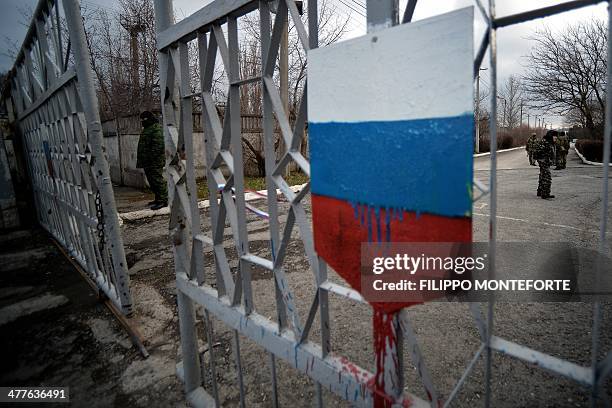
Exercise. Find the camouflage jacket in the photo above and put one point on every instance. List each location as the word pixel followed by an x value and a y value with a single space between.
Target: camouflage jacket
pixel 150 147
pixel 532 143
pixel 545 153
pixel 563 143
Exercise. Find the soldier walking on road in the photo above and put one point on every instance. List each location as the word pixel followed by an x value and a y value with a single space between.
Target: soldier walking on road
pixel 545 155
pixel 150 157
pixel 532 144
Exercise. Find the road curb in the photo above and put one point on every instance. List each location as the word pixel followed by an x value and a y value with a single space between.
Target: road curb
pixel 249 196
pixel 585 161
pixel 499 151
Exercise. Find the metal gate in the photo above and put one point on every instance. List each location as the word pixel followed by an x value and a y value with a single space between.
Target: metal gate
pixel 230 299
pixel 55 103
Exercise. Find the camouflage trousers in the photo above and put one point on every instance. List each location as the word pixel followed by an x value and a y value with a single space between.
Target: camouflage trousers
pixel 561 160
pixel 545 180
pixel 531 159
pixel 157 183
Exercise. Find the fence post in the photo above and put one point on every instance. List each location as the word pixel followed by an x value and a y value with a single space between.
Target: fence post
pixel 186 310
pixel 388 378
pixel 99 163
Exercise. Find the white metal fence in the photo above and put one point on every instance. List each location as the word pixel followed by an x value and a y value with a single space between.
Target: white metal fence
pixel 56 107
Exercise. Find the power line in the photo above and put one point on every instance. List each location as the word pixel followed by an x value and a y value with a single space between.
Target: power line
pixel 353 8
pixel 359 4
pixel 350 16
pixel 106 7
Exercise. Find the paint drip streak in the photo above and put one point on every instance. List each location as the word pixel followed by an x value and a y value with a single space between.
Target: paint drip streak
pixel 377 220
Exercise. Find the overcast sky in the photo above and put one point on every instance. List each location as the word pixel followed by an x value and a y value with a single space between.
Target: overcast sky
pixel 513 43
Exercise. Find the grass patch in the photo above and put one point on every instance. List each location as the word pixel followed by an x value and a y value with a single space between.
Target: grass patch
pixel 254 183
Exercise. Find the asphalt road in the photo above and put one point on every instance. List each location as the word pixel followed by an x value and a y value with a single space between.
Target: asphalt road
pixel 574 215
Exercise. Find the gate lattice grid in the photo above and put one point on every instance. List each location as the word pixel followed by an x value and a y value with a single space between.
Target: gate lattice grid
pixel 56 107
pixel 231 300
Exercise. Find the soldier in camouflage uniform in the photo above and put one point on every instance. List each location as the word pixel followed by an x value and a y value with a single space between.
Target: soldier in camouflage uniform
pixel 150 157
pixel 532 143
pixel 545 155
pixel 562 147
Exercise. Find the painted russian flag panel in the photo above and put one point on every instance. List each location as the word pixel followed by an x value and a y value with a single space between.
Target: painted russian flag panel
pixel 390 128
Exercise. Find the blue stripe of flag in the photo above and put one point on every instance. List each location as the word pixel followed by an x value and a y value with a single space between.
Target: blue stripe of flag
pixel 422 165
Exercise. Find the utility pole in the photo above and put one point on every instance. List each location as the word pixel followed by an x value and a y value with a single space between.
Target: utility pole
pixel 527 121
pixel 504 113
pixel 477 133
pixel 132 27
pixel 284 79
pixel 521 122
pixel 284 66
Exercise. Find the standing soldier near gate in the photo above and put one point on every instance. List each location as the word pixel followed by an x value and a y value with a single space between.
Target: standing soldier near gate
pixel 150 157
pixel 532 144
pixel 545 155
pixel 562 147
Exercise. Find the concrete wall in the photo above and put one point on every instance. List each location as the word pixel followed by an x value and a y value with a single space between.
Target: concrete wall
pixel 129 130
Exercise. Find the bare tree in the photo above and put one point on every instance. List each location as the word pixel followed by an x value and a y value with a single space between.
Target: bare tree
pixel 125 62
pixel 512 96
pixel 481 110
pixel 566 73
pixel 251 100
pixel 332 27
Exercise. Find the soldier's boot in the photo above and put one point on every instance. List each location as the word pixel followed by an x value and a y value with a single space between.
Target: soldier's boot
pixel 545 192
pixel 539 193
pixel 158 205
pixel 150 203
